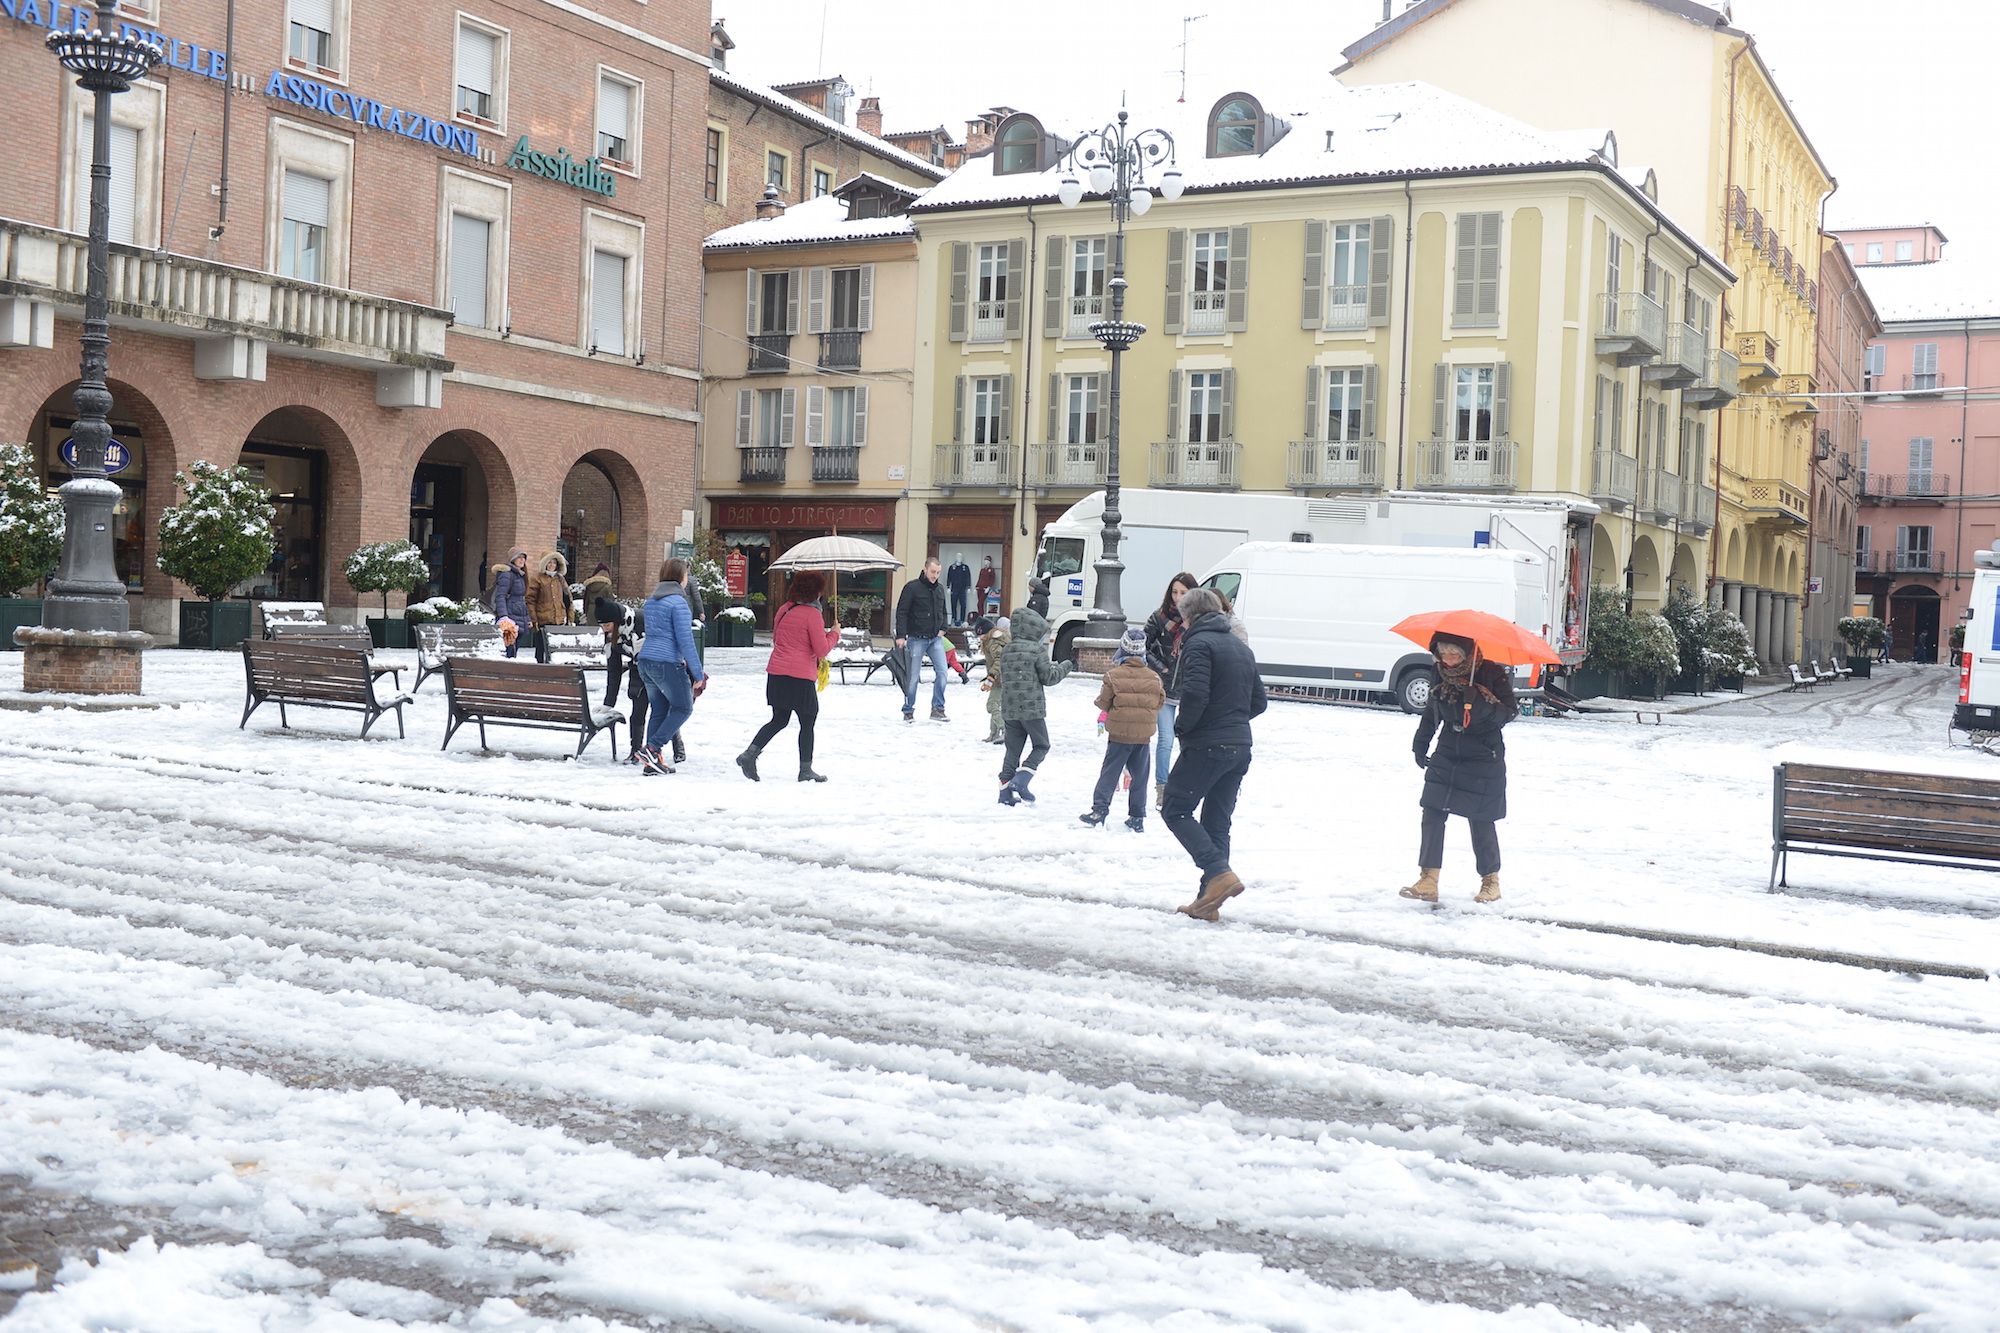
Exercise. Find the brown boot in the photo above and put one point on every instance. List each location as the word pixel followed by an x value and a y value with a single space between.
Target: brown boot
pixel 1425 890
pixel 1207 905
pixel 1489 889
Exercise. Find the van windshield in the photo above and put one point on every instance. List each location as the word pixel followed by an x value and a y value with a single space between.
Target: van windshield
pixel 1226 584
pixel 1060 555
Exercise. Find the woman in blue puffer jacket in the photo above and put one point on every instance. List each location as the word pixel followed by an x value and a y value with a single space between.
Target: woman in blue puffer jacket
pixel 669 664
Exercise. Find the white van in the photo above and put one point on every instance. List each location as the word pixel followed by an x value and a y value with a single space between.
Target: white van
pixel 1978 708
pixel 1319 616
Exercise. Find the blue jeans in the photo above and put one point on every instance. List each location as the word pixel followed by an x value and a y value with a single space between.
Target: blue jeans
pixel 918 650
pixel 1163 742
pixel 670 700
pixel 1209 776
pixel 1120 757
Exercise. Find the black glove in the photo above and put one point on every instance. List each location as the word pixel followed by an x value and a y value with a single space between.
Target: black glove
pixel 1423 760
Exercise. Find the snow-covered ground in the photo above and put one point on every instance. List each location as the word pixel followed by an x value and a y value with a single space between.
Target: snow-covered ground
pixel 364 1035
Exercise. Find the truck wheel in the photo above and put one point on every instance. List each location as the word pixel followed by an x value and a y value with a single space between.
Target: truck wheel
pixel 1413 691
pixel 1065 649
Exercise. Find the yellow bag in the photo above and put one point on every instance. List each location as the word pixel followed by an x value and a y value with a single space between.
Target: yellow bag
pixel 825 672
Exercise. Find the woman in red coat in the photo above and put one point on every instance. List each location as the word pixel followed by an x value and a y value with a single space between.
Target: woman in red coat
pixel 800 640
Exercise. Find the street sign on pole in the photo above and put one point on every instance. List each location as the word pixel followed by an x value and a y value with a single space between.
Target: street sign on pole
pixel 680 550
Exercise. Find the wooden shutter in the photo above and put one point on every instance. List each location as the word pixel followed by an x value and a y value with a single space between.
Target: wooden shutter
pixel 1315 377
pixel 961 279
pixel 746 404
pixel 1017 269
pixel 1312 294
pixel 753 293
pixel 1618 416
pixel 1236 312
pixel 1173 405
pixel 794 288
pixel 1921 448
pixel 1379 233
pixel 1055 409
pixel 788 412
pixel 864 312
pixel 958 410
pixel 1488 306
pixel 1177 243
pixel 815 415
pixel 1600 426
pixel 1465 284
pixel 1369 379
pixel 1503 405
pixel 1229 404
pixel 1054 318
pixel 1007 408
pixel 860 415
pixel 1441 402
pixel 816 279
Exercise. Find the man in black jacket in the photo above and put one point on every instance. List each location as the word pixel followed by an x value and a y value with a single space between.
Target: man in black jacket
pixel 921 617
pixel 1219 690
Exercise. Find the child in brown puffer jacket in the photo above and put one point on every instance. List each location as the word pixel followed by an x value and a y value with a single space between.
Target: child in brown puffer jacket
pixel 1130 700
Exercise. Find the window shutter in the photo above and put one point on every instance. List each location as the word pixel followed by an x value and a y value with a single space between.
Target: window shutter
pixel 794 287
pixel 1464 285
pixel 1312 295
pixel 1173 405
pixel 788 412
pixel 1237 312
pixel 1618 416
pixel 746 402
pixel 755 291
pixel 1006 409
pixel 470 239
pixel 816 300
pixel 1920 454
pixel 308 199
pixel 1489 266
pixel 958 410
pixel 614 108
pixel 1902 540
pixel 1177 242
pixel 1924 359
pixel 1441 402
pixel 860 415
pixel 476 53
pixel 1055 409
pixel 865 302
pixel 815 416
pixel 1368 382
pixel 1503 395
pixel 1017 256
pixel 607 302
pixel 1600 423
pixel 1055 319
pixel 1315 376
pixel 1379 233
pixel 313 14
pixel 961 279
pixel 1229 404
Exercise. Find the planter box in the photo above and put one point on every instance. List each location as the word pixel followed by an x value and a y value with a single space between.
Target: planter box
pixel 396 633
pixel 1862 667
pixel 214 624
pixel 723 633
pixel 1588 682
pixel 1729 683
pixel 1645 686
pixel 16 612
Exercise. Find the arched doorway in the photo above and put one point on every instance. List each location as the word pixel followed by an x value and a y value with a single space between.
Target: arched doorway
pixel 1645 574
pixel 1686 573
pixel 1732 564
pixel 588 532
pixel 305 461
pixel 141 461
pixel 1913 624
pixel 454 491
pixel 1604 559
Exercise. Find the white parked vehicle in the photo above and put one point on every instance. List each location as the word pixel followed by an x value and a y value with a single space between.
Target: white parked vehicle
pixel 1319 617
pixel 1167 532
pixel 1978 710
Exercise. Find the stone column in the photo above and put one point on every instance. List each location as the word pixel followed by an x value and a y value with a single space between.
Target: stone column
pixel 1788 632
pixel 1760 629
pixel 1732 598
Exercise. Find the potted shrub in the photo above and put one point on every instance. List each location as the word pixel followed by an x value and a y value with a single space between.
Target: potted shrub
pixel 444 611
pixel 732 627
pixel 1726 653
pixel 1862 635
pixel 1633 653
pixel 215 538
pixel 1688 616
pixel 387 567
pixel 31 536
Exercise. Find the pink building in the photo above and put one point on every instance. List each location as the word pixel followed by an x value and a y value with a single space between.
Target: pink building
pixel 1930 448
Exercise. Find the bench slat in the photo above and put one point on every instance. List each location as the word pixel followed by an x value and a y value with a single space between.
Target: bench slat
pixel 1920 816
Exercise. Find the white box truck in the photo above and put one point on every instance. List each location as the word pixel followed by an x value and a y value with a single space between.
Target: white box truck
pixel 1170 531
pixel 1319 617
pixel 1978 710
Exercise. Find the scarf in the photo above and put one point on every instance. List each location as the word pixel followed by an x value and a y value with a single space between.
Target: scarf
pixel 1457 686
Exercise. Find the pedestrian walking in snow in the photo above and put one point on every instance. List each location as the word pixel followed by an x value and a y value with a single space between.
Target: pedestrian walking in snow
pixel 597 588
pixel 1130 700
pixel 993 641
pixel 1025 675
pixel 800 641
pixel 1466 775
pixel 624 628
pixel 922 613
pixel 668 664
pixel 510 599
pixel 548 599
pixel 1219 691
pixel 1163 646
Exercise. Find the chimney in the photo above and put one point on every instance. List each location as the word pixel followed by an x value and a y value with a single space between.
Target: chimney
pixel 978 135
pixel 770 206
pixel 869 118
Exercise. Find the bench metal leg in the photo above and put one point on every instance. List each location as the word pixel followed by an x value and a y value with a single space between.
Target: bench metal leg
pixel 482 735
pixel 283 720
pixel 368 716
pixel 250 705
pixel 1778 868
pixel 451 725
pixel 401 735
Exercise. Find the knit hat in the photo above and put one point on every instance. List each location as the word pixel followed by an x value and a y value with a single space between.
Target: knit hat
pixel 1003 622
pixel 1133 644
pixel 516 554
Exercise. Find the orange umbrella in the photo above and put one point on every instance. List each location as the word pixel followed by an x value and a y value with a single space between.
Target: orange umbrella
pixel 1498 640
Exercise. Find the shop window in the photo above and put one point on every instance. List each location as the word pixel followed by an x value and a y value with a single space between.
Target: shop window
pixel 125 466
pixel 296 479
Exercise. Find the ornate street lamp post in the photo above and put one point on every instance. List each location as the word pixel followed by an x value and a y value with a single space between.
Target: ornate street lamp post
pixel 86 592
pixel 1115 159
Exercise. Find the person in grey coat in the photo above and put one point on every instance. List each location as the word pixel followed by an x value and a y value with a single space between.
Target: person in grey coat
pixel 1025 674
pixel 510 595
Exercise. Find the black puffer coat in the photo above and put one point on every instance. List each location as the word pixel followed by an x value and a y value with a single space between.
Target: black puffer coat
pixel 1467 772
pixel 1216 681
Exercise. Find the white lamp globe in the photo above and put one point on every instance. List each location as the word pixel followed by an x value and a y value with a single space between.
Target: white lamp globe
pixel 1070 191
pixel 1142 200
pixel 1102 177
pixel 1171 185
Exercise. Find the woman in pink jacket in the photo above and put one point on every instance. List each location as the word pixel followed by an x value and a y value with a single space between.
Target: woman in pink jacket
pixel 800 640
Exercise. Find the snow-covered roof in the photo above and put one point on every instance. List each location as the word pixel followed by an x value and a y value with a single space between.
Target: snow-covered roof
pixel 777 101
pixel 816 221
pixel 1944 290
pixel 1378 132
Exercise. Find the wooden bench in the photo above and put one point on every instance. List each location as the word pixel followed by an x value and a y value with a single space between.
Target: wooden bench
pixel 437 642
pixel 1923 818
pixel 1799 682
pixel 331 636
pixel 1825 677
pixel 524 694
pixel 577 645
pixel 317 675
pixel 291 613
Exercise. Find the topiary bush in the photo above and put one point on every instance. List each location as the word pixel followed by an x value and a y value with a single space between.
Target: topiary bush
pixel 220 532
pixel 1633 645
pixel 387 567
pixel 31 522
pixel 1862 633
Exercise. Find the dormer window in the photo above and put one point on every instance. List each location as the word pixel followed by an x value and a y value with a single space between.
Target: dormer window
pixel 1017 146
pixel 1236 127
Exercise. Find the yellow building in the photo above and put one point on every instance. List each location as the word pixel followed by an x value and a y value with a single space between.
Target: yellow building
pixel 1689 95
pixel 1394 289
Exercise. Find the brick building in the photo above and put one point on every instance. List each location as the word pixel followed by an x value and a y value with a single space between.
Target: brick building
pixel 419 268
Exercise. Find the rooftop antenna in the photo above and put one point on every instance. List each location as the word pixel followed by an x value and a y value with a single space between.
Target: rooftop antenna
pixel 821 70
pixel 1191 18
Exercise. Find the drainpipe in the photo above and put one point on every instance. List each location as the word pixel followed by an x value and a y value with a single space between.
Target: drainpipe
pixel 805 167
pixel 1964 429
pixel 228 97
pixel 1027 369
pixel 1403 391
pixel 1728 184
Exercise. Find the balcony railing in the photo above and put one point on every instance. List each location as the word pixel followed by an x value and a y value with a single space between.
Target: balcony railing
pixel 1683 361
pixel 1697 506
pixel 1758 356
pixel 1080 465
pixel 1214 465
pixel 1467 465
pixel 762 465
pixel 1634 328
pixel 1614 478
pixel 1921 384
pixel 1335 464
pixel 1659 496
pixel 770 353
pixel 840 351
pixel 1906 485
pixel 837 462
pixel 1775 500
pixel 973 465
pixel 1920 562
pixel 1717 385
